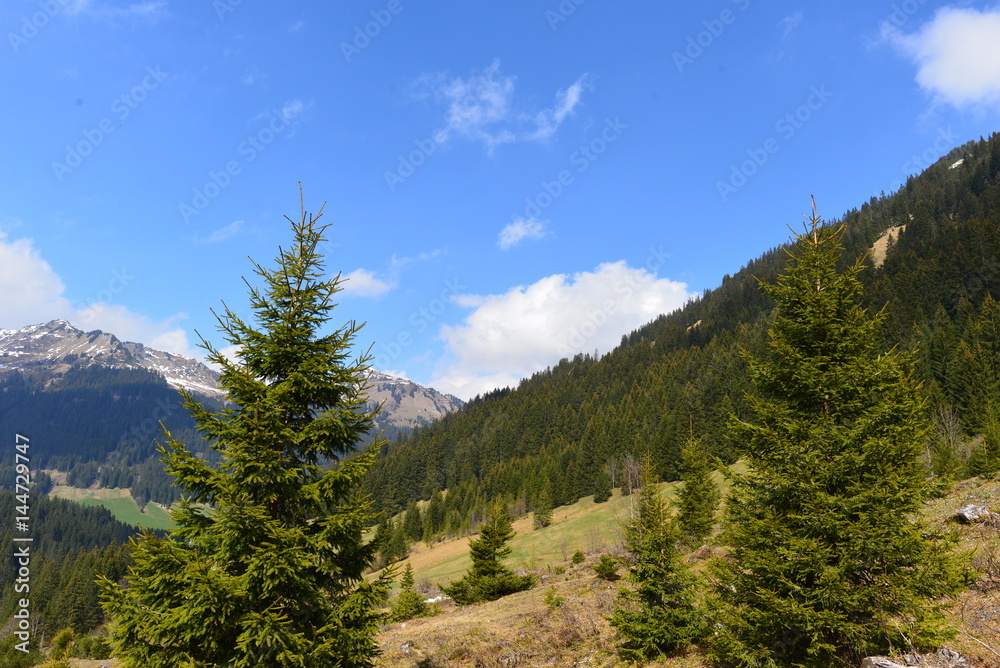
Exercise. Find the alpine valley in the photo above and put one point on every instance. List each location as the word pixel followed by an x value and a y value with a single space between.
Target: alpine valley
pixel 565 442
pixel 96 402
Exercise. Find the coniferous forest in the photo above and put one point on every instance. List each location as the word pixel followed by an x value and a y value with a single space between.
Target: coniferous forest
pixel 568 428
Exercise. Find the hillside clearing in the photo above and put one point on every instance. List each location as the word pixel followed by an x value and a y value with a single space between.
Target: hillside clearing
pixel 121 504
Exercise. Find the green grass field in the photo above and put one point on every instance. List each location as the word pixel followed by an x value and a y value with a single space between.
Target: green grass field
pixel 121 504
pixel 586 526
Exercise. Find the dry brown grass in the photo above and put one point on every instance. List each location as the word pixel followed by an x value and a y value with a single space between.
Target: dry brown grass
pixel 518 630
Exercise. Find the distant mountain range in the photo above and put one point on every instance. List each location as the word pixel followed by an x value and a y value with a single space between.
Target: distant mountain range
pixel 49 355
pixel 47 351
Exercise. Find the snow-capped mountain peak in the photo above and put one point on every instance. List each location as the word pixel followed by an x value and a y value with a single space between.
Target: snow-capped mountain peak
pixel 55 347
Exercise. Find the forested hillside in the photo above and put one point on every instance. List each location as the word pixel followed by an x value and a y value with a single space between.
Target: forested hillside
pixel 71 545
pixel 571 429
pixel 99 425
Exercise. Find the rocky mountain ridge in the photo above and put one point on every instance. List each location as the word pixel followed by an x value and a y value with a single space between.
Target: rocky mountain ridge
pixel 48 350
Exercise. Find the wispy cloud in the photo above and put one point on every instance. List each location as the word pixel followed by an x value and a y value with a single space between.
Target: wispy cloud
pixel 366 283
pixel 549 120
pixel 520 229
pixel 150 11
pixel 483 108
pixel 223 233
pixel 956 54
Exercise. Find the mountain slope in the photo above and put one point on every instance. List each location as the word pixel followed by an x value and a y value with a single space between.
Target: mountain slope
pixel 405 405
pixel 568 426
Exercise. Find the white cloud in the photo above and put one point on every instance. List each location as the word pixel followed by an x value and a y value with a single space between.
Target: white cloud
pixel 151 11
pixel 231 353
pixel 482 108
pixel 364 283
pixel 510 336
pixel 549 120
pixel 223 233
pixel 520 229
pixel 34 293
pixel 957 55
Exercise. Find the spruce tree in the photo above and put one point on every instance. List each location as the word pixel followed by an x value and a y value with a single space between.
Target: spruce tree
pixel 657 615
pixel 489 579
pixel 698 498
pixel 542 515
pixel 602 487
pixel 408 602
pixel 413 523
pixel 265 568
pixel 828 560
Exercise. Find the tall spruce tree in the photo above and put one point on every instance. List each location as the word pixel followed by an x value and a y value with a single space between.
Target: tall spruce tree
pixel 828 561
pixel 698 499
pixel 265 567
pixel 657 614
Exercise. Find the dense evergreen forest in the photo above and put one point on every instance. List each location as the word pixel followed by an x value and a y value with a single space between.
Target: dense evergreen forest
pixel 71 545
pixel 575 428
pixel 98 424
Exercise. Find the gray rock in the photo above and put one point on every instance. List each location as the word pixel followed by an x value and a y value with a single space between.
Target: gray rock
pixel 879 662
pixel 950 655
pixel 973 513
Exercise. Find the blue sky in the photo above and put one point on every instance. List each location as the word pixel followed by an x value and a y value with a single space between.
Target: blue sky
pixel 509 182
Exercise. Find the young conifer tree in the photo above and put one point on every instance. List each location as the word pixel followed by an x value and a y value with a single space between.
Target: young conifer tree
pixel 698 499
pixel 657 615
pixel 408 602
pixel 489 579
pixel 265 567
pixel 543 510
pixel 828 560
